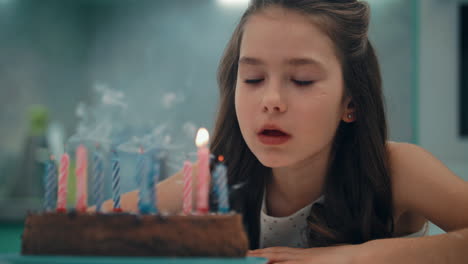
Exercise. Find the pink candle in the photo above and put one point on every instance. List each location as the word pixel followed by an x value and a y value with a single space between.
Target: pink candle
pixel 203 171
pixel 81 178
pixel 187 204
pixel 62 184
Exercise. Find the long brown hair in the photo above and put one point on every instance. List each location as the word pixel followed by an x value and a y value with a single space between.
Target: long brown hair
pixel 357 193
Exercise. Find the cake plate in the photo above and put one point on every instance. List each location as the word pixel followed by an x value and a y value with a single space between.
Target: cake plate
pixel 16 258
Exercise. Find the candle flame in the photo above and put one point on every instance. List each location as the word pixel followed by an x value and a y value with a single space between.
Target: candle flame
pixel 202 137
pixel 221 158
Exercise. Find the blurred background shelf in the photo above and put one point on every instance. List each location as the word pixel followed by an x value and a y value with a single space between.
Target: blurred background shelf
pixel 16 209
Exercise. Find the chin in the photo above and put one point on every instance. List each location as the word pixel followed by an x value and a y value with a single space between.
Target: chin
pixel 273 162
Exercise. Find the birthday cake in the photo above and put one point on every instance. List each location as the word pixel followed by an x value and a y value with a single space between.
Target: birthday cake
pixel 212 235
pixel 60 231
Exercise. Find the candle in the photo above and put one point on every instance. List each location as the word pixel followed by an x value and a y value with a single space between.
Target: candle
pixel 203 171
pixel 98 180
pixel 141 177
pixel 50 184
pixel 62 184
pixel 220 178
pixel 187 200
pixel 81 178
pixel 153 182
pixel 116 181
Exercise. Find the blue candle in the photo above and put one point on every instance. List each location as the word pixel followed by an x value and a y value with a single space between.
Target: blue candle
pixel 98 180
pixel 142 178
pixel 221 187
pixel 50 184
pixel 116 181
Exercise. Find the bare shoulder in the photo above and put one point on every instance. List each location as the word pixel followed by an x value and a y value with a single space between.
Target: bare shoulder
pixel 424 187
pixel 406 158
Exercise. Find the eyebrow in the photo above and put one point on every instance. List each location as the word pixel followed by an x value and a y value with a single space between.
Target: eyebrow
pixel 293 61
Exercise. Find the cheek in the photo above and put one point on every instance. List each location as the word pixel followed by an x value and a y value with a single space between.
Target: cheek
pixel 243 101
pixel 241 106
pixel 320 115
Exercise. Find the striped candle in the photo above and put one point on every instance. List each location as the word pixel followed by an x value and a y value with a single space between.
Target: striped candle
pixel 81 178
pixel 62 184
pixel 187 200
pixel 115 162
pixel 98 180
pixel 221 187
pixel 50 184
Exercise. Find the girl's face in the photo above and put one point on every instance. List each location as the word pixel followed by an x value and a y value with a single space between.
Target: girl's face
pixel 289 88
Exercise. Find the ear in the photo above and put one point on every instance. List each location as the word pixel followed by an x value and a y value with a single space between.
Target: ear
pixel 349 112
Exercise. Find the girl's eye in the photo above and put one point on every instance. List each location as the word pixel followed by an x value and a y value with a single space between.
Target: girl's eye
pixel 253 81
pixel 302 83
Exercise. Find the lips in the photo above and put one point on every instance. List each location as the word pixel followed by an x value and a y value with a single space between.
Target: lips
pixel 273 135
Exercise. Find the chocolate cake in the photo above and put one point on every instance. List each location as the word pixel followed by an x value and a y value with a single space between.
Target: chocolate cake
pixel 134 235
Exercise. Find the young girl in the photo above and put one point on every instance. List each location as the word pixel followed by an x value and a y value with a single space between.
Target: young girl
pixel 302 124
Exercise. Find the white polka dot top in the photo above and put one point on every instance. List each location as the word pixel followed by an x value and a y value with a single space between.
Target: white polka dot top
pixel 291 231
pixel 288 231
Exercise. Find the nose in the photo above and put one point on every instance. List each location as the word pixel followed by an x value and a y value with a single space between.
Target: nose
pixel 273 101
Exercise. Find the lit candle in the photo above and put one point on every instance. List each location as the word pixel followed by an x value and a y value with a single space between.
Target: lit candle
pixel 221 186
pixel 50 184
pixel 116 181
pixel 81 178
pixel 203 171
pixel 62 184
pixel 98 180
pixel 187 200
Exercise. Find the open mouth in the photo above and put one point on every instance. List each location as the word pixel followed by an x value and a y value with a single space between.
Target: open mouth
pixel 273 133
pixel 273 137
